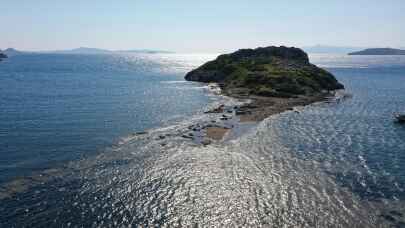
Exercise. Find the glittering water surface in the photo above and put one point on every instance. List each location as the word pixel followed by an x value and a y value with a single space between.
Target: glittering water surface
pixel 56 108
pixel 337 164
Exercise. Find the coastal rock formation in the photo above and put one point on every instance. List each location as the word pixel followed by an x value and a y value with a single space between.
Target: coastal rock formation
pixel 269 71
pixel 379 51
pixel 2 56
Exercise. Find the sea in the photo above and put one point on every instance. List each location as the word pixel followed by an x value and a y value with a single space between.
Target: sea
pixel 98 141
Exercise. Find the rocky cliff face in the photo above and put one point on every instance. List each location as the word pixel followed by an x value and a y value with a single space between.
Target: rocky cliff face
pixel 269 71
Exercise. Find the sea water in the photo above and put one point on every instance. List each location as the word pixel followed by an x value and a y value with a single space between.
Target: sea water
pixel 335 164
pixel 57 108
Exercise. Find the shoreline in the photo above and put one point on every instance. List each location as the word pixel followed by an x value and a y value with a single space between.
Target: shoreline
pixel 227 119
pixel 257 108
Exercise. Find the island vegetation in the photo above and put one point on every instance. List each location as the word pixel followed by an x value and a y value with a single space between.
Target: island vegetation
pixel 379 51
pixel 274 79
pixel 270 71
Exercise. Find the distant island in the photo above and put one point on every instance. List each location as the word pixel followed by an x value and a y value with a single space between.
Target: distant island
pixel 275 79
pixel 85 51
pixel 12 52
pixel 325 49
pixel 379 51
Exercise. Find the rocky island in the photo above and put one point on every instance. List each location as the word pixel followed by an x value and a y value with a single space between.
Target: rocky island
pixel 272 75
pixel 274 79
pixel 270 71
pixel 2 56
pixel 379 51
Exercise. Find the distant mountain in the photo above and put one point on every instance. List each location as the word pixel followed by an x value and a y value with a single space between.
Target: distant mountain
pixel 12 52
pixel 85 50
pixel 81 50
pixel 379 51
pixel 330 49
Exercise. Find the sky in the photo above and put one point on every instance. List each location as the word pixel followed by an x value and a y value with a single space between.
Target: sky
pixel 199 26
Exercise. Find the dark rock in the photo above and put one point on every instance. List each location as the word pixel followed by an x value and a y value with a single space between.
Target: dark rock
pixel 206 142
pixel 396 213
pixel 225 117
pixel 2 56
pixel 219 109
pixel 270 71
pixel 400 225
pixel 242 112
pixel 388 217
pixel 187 136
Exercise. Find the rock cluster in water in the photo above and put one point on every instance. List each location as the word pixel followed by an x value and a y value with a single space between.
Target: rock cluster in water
pixel 268 71
pixel 2 56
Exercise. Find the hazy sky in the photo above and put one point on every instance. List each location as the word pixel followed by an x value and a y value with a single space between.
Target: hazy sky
pixel 199 26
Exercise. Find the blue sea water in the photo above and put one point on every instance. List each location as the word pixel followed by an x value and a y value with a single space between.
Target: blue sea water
pixel 57 108
pixel 333 164
pixel 358 137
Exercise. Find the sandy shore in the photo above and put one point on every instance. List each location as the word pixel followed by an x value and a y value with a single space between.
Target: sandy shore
pixel 216 133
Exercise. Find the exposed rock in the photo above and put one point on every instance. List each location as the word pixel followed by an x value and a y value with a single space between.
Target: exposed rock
pixel 242 112
pixel 225 117
pixel 206 142
pixel 270 71
pixel 219 109
pixel 2 56
pixel 162 137
pixel 187 136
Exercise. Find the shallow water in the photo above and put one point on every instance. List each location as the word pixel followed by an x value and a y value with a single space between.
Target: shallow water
pixel 337 164
pixel 58 108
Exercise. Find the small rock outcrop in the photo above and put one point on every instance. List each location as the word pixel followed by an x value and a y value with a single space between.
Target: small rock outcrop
pixel 269 71
pixel 2 56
